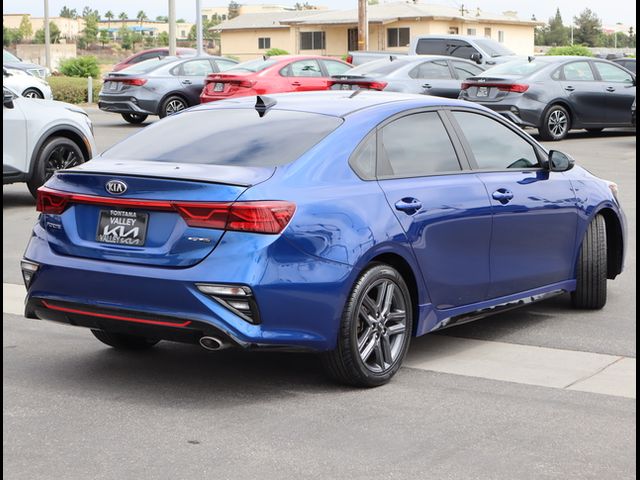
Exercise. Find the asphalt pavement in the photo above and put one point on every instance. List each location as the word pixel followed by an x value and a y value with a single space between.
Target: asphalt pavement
pixel 510 396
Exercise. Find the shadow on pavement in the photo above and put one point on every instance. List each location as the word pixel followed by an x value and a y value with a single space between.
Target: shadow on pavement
pixel 17 199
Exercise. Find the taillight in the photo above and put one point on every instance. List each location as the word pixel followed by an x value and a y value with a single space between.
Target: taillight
pixel 49 201
pixel 136 82
pixel 376 85
pixel 465 86
pixel 268 216
pixel 245 83
pixel 516 88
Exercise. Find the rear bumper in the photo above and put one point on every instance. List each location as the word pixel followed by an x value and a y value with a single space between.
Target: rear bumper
pixel 521 110
pixel 127 104
pixel 297 310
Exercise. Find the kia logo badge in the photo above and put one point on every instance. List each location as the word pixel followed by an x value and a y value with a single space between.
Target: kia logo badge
pixel 115 187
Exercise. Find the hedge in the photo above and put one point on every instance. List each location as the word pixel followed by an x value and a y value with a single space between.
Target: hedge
pixel 578 50
pixel 73 89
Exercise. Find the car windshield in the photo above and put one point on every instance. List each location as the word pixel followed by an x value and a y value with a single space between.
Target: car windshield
pixel 147 66
pixel 493 48
pixel 252 66
pixel 378 68
pixel 8 57
pixel 210 137
pixel 518 68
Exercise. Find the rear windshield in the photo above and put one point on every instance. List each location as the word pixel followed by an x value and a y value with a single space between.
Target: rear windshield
pixel 237 137
pixel 377 67
pixel 518 68
pixel 252 66
pixel 494 48
pixel 149 65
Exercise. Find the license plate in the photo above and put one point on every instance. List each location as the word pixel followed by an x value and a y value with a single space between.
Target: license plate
pixel 122 227
pixel 483 92
pixel 218 87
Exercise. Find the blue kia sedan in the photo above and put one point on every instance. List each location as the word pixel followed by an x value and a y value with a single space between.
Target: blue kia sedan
pixel 342 223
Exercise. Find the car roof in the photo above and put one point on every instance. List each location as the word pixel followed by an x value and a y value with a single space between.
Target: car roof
pixel 339 103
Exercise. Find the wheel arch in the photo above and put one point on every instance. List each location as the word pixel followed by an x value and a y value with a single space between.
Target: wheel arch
pixel 33 88
pixel 615 241
pixel 66 131
pixel 173 93
pixel 566 105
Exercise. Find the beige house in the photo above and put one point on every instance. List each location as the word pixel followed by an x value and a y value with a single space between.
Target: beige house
pixel 391 26
pixel 222 11
pixel 70 28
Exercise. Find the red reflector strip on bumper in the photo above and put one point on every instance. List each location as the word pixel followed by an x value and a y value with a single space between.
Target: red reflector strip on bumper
pixel 115 317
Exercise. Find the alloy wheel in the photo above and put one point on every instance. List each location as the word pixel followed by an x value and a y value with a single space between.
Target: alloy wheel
pixel 174 106
pixel 381 325
pixel 558 123
pixel 32 94
pixel 60 158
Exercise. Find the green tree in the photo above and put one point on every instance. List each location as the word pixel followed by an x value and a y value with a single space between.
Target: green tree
pixel 124 35
pixel 90 29
pixel 557 34
pixel 54 34
pixel 104 37
pixel 163 39
pixel 10 36
pixel 109 16
pixel 136 38
pixel 67 12
pixel 123 16
pixel 141 16
pixel 162 18
pixel 589 28
pixel 234 9
pixel 25 28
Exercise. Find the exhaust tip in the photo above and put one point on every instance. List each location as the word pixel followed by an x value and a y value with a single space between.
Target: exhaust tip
pixel 211 343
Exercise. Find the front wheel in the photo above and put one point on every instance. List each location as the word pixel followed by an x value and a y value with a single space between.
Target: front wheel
pixel 122 341
pixel 555 124
pixel 57 153
pixel 591 271
pixel 32 93
pixel 134 118
pixel 375 329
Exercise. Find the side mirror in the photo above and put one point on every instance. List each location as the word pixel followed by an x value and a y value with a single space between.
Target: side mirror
pixel 5 72
pixel 560 162
pixel 476 57
pixel 7 99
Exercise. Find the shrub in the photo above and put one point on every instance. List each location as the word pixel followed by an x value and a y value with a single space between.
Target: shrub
pixel 578 50
pixel 80 67
pixel 272 52
pixel 73 89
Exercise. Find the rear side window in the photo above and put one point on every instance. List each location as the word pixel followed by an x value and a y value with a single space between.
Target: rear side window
pixel 196 68
pixel 304 68
pixel 427 46
pixel 210 137
pixel 363 160
pixel 225 64
pixel 437 70
pixel 335 68
pixel 465 70
pixel 578 72
pixel 495 146
pixel 415 146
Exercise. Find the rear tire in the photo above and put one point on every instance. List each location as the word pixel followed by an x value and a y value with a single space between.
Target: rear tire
pixel 171 105
pixel 134 118
pixel 375 330
pixel 55 154
pixel 556 123
pixel 591 271
pixel 121 341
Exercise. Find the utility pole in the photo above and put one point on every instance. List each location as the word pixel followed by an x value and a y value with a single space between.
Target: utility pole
pixel 47 36
pixel 363 26
pixel 199 48
pixel 572 34
pixel 462 10
pixel 172 27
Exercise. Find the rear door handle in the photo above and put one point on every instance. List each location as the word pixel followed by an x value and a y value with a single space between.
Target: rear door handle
pixel 611 89
pixel 186 82
pixel 569 89
pixel 409 205
pixel 296 84
pixel 502 195
pixel 426 85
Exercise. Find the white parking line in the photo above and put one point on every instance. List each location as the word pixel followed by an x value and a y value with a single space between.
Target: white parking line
pixel 542 366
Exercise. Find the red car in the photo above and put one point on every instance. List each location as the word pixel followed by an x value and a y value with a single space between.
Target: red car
pixel 286 73
pixel 152 53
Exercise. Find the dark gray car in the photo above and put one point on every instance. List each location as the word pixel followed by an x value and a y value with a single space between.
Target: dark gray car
pixel 556 94
pixel 158 86
pixel 628 63
pixel 11 61
pixel 425 74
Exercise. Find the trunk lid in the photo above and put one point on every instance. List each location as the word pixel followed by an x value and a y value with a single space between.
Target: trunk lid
pixel 493 89
pixel 118 211
pixel 228 84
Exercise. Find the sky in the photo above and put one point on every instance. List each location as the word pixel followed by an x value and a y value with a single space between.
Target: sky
pixel 610 11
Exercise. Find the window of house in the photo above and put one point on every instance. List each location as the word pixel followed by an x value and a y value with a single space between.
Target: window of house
pixel 453 31
pixel 501 36
pixel 312 41
pixel 398 37
pixel 471 31
pixel 487 32
pixel 264 43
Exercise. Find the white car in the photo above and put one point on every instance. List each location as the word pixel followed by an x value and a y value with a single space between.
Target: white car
pixel 25 84
pixel 40 137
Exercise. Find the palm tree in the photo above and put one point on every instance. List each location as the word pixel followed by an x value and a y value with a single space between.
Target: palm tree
pixel 109 16
pixel 123 16
pixel 142 17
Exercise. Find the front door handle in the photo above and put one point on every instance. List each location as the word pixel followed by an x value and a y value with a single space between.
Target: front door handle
pixel 569 88
pixel 409 205
pixel 186 82
pixel 611 89
pixel 427 85
pixel 296 84
pixel 502 195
